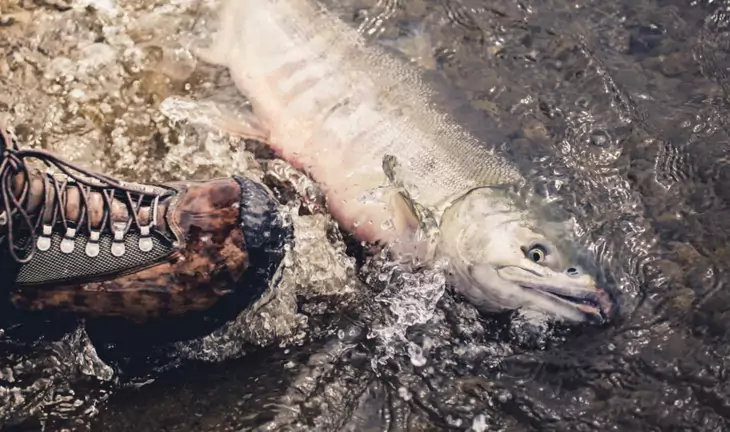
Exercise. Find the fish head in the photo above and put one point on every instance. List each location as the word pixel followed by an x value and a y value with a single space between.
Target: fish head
pixel 501 258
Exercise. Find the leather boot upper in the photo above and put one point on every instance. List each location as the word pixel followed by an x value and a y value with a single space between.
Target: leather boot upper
pixel 84 242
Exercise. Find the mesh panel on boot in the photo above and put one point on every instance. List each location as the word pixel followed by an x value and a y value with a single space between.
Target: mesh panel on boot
pixel 54 266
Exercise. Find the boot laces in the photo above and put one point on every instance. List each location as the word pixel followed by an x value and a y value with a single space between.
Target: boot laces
pixel 21 224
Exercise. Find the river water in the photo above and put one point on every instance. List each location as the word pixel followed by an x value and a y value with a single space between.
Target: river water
pixel 618 108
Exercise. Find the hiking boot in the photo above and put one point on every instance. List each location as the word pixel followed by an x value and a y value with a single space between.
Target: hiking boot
pixel 85 242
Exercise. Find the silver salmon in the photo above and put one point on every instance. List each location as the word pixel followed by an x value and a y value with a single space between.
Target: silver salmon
pixel 397 168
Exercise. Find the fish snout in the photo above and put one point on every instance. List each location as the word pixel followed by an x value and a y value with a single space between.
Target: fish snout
pixel 597 304
pixel 606 303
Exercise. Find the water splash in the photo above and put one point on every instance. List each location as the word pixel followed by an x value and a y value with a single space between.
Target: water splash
pixel 410 299
pixel 314 267
pixel 40 384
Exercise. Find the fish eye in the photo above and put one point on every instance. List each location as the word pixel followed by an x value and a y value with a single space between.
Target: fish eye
pixel 537 253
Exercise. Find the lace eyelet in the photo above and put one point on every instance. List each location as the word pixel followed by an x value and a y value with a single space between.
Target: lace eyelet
pixel 92 246
pixel 145 241
pixel 118 248
pixel 68 243
pixel 44 240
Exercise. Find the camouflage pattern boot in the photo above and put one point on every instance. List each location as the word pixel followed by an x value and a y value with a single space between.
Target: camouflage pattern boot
pixel 84 242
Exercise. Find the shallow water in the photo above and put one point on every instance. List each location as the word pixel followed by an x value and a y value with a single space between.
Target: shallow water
pixel 618 108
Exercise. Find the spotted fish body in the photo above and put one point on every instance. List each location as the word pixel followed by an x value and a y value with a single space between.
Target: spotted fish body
pixel 336 105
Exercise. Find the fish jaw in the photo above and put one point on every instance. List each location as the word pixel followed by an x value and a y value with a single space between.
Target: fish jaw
pixel 504 295
pixel 500 260
pixel 495 287
pixel 579 292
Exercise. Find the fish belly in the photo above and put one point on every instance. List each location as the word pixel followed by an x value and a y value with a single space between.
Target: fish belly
pixel 334 106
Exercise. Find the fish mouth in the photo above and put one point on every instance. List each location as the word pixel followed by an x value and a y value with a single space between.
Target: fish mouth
pixel 596 304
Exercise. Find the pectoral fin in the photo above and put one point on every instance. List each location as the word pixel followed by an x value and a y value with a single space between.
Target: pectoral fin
pixel 399 177
pixel 409 215
pixel 405 216
pixel 392 169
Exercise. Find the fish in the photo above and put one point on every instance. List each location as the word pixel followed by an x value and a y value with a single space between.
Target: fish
pixel 396 165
